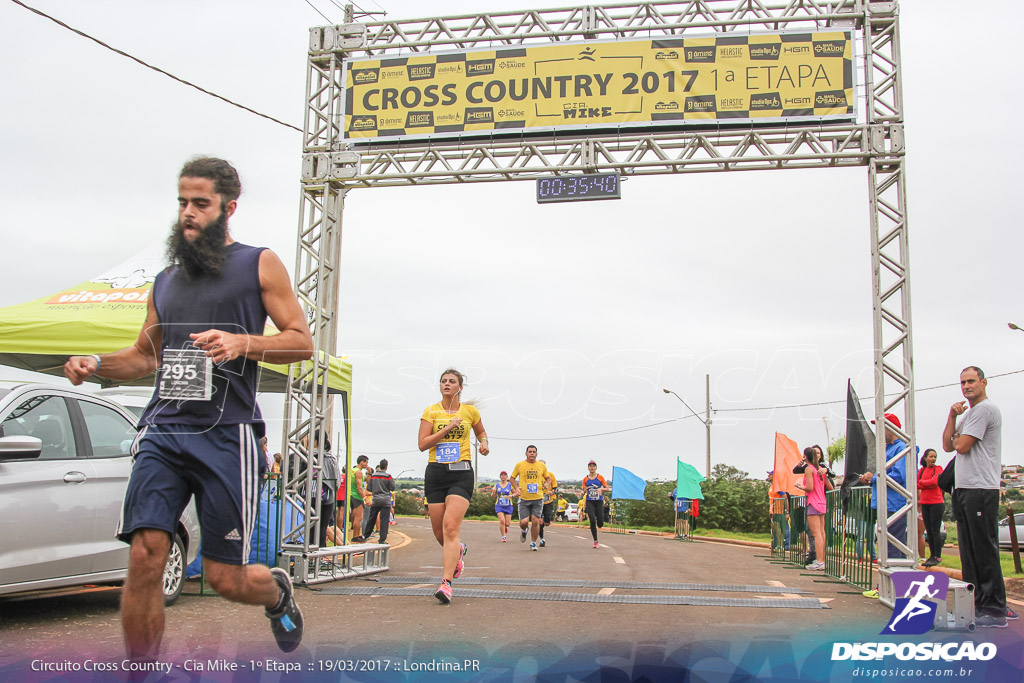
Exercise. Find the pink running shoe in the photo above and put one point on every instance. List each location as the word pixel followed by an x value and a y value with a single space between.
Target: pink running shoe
pixel 444 593
pixel 504 539
pixel 461 565
pixel 596 545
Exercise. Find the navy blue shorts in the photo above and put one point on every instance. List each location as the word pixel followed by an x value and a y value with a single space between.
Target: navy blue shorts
pixel 219 466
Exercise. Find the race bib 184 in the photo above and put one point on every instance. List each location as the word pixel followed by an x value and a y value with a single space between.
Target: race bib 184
pixel 448 451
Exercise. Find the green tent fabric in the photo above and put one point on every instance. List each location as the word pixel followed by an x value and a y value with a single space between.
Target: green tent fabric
pixel 688 481
pixel 103 315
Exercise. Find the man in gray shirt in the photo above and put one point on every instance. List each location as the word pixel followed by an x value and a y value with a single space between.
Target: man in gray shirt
pixel 381 486
pixel 978 443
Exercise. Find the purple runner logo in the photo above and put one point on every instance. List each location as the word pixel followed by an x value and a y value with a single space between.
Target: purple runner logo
pixel 917 596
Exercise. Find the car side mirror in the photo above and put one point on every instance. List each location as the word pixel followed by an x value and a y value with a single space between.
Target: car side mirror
pixel 20 447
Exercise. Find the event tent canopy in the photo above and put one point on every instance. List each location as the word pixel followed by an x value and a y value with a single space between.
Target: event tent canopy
pixel 103 315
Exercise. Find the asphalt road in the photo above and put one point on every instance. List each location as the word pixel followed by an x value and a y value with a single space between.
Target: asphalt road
pixel 497 632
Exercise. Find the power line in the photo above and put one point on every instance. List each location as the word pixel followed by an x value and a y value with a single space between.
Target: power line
pixel 688 417
pixel 829 403
pixel 155 68
pixel 318 11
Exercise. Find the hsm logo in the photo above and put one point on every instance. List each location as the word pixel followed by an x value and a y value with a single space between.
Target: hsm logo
pixel 914 612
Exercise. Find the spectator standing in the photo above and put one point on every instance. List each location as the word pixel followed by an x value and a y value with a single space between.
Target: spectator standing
pixel 898 473
pixel 815 484
pixel 381 487
pixel 977 440
pixel 929 497
pixel 359 492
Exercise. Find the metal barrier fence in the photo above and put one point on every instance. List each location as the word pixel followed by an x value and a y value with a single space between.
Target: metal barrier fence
pixel 849 534
pixel 684 524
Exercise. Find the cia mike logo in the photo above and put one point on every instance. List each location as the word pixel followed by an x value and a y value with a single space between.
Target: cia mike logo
pixel 914 612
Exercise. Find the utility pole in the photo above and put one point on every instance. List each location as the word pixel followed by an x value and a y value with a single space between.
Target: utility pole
pixel 707 420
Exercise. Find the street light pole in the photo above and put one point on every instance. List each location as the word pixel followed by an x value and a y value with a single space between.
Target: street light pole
pixel 706 421
pixel 1013 326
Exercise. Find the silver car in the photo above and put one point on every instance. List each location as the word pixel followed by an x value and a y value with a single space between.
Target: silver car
pixel 1004 531
pixel 64 466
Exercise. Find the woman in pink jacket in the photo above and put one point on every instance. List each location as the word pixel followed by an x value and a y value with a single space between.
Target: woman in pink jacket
pixel 929 497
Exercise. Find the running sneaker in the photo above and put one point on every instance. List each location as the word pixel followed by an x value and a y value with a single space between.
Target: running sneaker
pixel 817 567
pixel 444 593
pixel 1011 615
pixel 542 543
pixel 989 621
pixel 522 535
pixel 873 593
pixel 461 565
pixel 503 539
pixel 533 546
pixel 596 544
pixel 286 618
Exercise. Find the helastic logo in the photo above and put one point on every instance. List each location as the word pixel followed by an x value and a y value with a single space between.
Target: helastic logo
pixel 917 596
pixel 420 72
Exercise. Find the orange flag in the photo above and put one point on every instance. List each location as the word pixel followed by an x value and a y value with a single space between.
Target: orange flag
pixel 787 455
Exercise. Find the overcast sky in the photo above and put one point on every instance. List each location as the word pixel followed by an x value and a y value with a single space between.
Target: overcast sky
pixel 568 319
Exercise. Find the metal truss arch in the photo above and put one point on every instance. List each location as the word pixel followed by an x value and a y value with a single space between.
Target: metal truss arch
pixel 333 165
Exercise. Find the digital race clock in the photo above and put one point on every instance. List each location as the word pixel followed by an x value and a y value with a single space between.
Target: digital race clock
pixel 571 188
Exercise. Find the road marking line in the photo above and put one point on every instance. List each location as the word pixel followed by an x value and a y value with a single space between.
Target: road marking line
pixel 619 560
pixel 788 596
pixel 606 591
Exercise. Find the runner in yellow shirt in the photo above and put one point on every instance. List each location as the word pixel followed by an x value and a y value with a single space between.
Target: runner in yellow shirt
pixel 528 480
pixel 549 503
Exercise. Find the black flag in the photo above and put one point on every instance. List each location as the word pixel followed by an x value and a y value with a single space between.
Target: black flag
pixel 858 438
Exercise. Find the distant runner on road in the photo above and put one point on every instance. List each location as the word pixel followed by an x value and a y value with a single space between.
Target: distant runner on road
pixel 448 480
pixel 594 485
pixel 503 504
pixel 529 477
pixel 550 488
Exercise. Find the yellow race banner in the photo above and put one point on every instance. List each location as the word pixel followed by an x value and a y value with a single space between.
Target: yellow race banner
pixel 757 78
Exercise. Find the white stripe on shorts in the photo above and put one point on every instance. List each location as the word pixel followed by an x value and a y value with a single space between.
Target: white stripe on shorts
pixel 249 486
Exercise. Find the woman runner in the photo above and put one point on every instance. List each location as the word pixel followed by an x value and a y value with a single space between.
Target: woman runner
pixel 503 506
pixel 595 486
pixel 448 480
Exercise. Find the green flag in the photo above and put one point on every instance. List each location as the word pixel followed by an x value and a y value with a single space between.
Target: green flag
pixel 688 481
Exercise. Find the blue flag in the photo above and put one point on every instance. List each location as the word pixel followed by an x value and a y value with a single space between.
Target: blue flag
pixel 627 485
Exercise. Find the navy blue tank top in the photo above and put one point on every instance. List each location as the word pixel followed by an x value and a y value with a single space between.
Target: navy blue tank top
pixel 230 302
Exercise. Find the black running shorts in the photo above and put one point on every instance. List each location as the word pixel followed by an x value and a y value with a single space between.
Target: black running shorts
pixel 439 482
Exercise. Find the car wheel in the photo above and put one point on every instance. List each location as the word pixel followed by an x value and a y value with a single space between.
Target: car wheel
pixel 174 572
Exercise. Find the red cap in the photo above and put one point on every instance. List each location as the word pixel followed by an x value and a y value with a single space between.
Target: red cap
pixel 502 472
pixel 591 463
pixel 891 418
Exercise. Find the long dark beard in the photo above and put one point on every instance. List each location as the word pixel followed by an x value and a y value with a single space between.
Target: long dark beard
pixel 205 254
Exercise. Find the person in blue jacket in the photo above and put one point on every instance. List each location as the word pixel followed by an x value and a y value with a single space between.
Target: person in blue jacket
pixel 898 473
